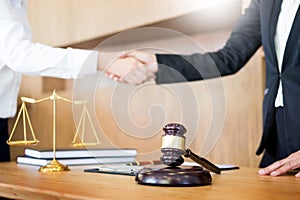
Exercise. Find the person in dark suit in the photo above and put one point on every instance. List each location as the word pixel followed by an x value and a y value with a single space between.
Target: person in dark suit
pixel 275 25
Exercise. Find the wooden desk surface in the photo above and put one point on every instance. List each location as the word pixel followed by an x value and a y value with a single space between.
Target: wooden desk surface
pixel 24 182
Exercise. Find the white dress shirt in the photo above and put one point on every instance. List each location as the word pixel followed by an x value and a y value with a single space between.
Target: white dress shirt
pixel 19 55
pixel 285 21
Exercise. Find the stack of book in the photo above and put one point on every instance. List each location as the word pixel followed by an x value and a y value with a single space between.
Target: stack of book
pixel 78 156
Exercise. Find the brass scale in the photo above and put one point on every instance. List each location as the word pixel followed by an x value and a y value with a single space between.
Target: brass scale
pixel 54 165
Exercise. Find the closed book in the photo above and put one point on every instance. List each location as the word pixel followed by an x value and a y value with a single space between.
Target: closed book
pixel 80 153
pixel 75 161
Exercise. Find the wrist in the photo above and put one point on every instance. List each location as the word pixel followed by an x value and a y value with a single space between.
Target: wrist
pixel 106 58
pixel 154 64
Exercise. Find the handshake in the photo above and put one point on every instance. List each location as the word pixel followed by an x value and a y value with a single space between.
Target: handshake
pixel 134 67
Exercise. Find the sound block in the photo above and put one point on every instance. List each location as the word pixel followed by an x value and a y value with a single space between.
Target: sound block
pixel 173 176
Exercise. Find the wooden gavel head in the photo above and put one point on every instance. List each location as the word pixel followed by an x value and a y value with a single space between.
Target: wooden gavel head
pixel 173 144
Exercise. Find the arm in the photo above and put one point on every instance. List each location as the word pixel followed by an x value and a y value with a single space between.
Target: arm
pixel 245 39
pixel 20 54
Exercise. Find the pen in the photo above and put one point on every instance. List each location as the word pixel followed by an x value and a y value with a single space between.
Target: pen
pixel 141 163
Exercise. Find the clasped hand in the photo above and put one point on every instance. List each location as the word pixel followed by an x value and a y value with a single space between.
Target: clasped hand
pixel 134 67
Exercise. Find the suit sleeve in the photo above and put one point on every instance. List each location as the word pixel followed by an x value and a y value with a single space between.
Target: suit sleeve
pixel 244 41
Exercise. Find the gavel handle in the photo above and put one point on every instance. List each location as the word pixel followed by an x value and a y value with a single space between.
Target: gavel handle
pixel 202 161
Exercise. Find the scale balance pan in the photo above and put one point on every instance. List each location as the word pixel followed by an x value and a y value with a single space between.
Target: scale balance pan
pixel 161 175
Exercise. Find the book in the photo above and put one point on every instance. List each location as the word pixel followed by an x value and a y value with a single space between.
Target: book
pixel 222 167
pixel 117 169
pixel 75 161
pixel 80 153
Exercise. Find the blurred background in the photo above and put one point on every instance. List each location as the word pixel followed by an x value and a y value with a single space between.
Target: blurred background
pixel 179 26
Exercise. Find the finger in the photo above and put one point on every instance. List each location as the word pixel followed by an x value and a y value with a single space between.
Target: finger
pixel 112 76
pixel 138 75
pixel 145 74
pixel 131 79
pixel 141 73
pixel 270 168
pixel 297 175
pixel 289 163
pixel 283 169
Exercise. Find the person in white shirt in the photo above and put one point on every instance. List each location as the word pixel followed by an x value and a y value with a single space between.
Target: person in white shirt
pixel 275 25
pixel 19 55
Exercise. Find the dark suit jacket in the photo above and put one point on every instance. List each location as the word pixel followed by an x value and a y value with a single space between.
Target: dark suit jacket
pixel 255 28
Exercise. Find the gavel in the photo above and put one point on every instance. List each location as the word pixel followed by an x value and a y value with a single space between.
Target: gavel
pixel 173 148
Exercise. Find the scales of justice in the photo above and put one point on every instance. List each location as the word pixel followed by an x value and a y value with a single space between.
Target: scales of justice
pixel 54 165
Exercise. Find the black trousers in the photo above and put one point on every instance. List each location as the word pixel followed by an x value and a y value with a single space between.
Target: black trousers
pixel 4 148
pixel 277 147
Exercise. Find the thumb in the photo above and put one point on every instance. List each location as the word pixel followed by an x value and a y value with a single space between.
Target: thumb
pixel 143 57
pixel 148 59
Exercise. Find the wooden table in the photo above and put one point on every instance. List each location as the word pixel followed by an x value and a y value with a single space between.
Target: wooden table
pixel 24 182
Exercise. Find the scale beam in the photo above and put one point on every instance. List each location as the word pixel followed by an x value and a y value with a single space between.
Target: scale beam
pixel 54 165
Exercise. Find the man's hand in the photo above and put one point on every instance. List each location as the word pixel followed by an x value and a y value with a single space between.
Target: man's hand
pixel 282 166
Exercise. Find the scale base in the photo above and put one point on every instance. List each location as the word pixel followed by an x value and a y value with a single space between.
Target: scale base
pixel 173 176
pixel 54 166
